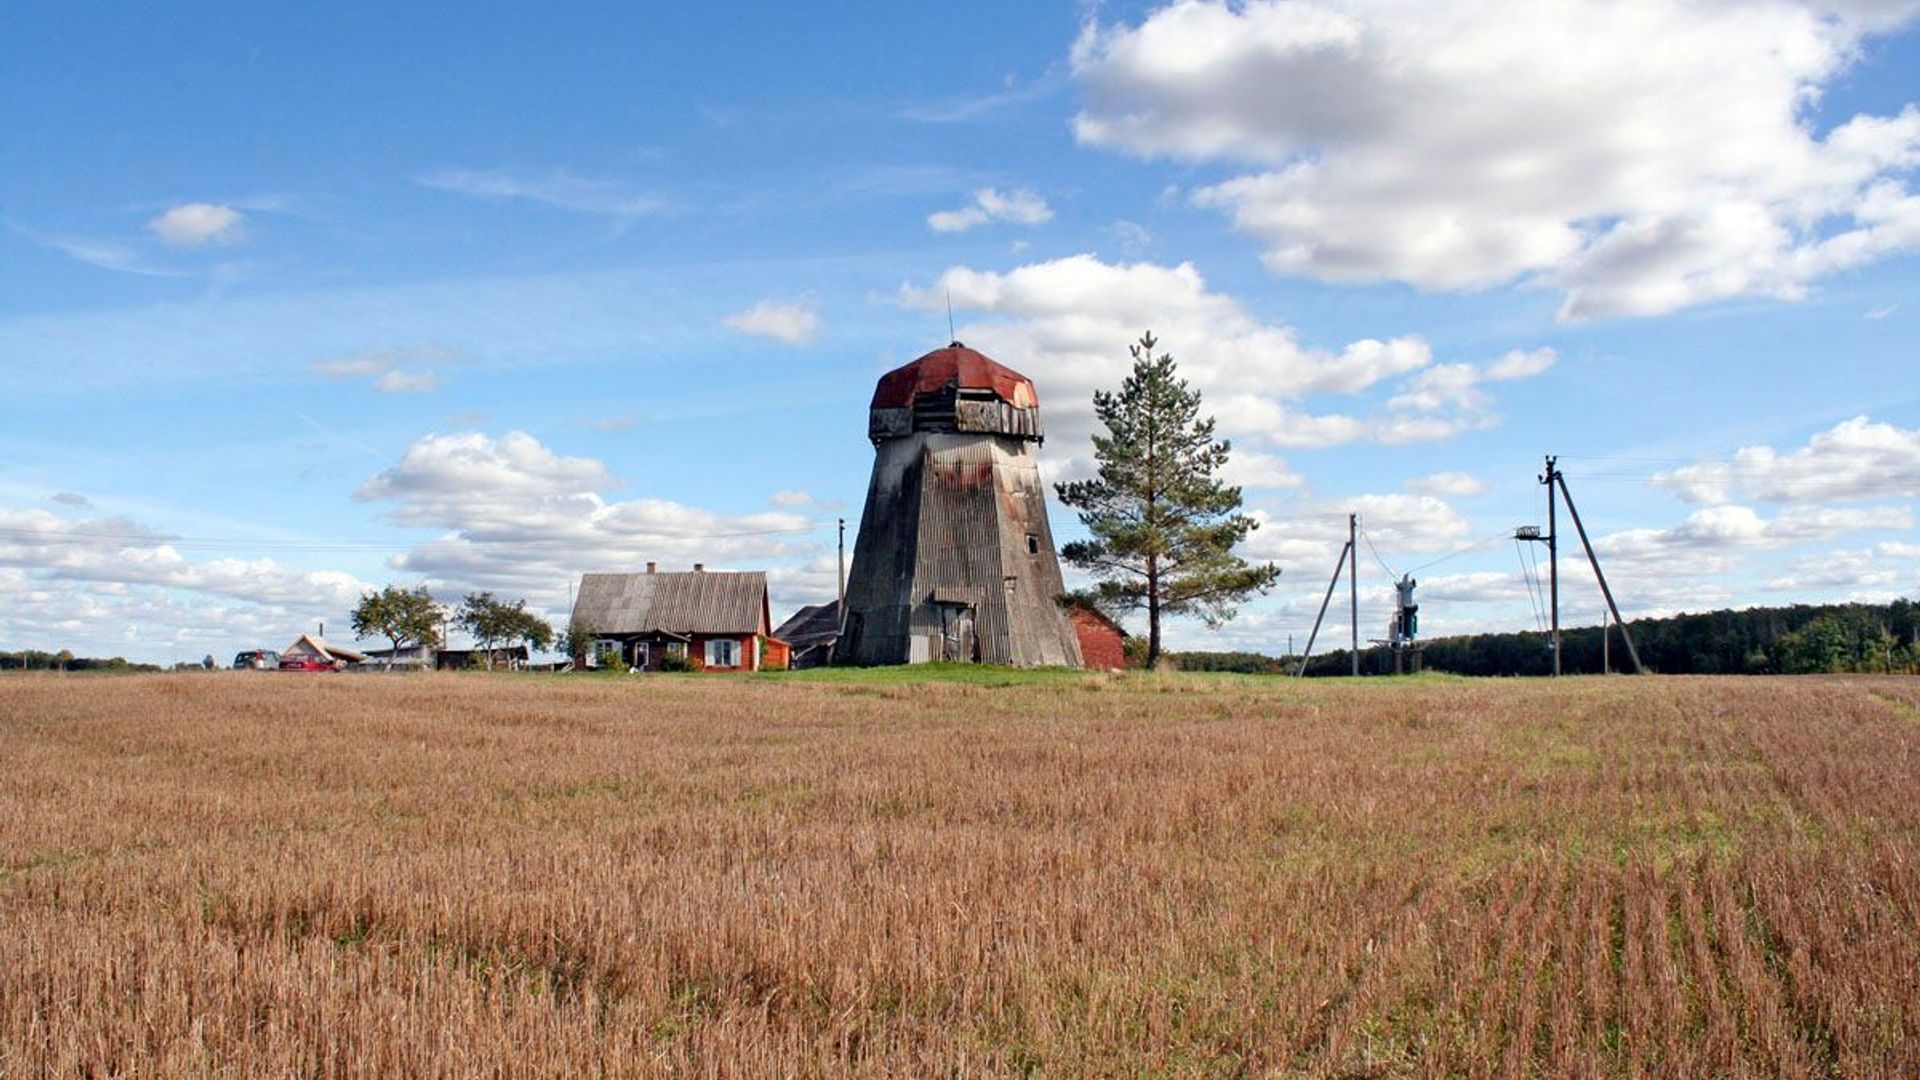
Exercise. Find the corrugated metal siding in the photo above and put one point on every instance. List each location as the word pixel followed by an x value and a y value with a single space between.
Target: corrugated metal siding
pixel 716 602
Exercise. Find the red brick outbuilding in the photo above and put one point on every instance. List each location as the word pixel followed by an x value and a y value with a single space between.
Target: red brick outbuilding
pixel 1103 645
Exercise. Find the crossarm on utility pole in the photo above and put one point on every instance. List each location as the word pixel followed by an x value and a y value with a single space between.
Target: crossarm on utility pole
pixel 1625 636
pixel 1332 583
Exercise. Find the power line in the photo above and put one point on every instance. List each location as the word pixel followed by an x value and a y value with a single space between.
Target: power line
pixel 1376 555
pixel 1529 577
pixel 1457 552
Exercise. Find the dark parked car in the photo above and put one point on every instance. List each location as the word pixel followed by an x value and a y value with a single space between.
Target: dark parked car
pixel 256 660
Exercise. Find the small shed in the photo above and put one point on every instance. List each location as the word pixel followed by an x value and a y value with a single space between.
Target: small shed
pixel 1103 643
pixel 811 632
pixel 504 657
pixel 708 620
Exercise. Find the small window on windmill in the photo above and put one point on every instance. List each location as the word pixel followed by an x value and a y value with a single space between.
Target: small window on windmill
pixel 1033 543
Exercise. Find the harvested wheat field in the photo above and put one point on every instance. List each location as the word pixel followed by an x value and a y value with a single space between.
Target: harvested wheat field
pixel 330 876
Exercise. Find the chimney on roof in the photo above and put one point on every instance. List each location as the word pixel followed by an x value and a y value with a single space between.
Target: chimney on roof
pixel 699 568
pixel 653 568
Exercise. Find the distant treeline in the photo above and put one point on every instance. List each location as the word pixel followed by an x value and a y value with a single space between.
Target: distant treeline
pixel 1250 663
pixel 1802 639
pixel 35 660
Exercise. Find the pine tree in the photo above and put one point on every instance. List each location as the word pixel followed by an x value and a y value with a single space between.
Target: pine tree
pixel 1164 526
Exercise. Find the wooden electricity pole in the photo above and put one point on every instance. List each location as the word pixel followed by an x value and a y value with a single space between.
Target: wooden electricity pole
pixel 1593 560
pixel 1353 586
pixel 1333 582
pixel 1553 559
pixel 843 575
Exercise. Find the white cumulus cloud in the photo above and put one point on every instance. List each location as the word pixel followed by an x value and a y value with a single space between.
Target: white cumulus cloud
pixel 518 517
pixel 1855 459
pixel 1066 323
pixel 1638 156
pixel 1455 484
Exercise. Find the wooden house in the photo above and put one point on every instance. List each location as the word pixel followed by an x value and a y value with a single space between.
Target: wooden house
pixel 710 621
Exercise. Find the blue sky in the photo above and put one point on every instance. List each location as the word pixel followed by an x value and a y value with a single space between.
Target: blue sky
pixel 295 302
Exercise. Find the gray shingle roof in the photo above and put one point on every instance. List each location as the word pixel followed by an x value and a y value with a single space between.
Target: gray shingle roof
pixel 811 625
pixel 702 602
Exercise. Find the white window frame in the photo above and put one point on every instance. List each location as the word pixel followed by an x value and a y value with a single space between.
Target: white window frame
pixel 643 655
pixel 601 645
pixel 732 647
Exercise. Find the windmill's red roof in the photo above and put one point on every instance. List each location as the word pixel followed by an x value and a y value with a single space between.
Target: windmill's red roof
pixel 956 364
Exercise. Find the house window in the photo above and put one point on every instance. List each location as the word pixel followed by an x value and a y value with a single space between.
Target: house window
pixel 723 652
pixel 601 648
pixel 1033 543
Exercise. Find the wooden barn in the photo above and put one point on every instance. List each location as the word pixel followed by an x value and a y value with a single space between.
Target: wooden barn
pixel 811 633
pixel 711 620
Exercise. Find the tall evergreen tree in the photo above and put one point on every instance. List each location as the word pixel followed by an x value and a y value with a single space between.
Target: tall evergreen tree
pixel 1164 526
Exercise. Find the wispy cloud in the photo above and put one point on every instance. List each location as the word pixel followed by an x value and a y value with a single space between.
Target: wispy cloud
pixel 883 181
pixel 789 322
pixel 196 224
pixel 967 109
pixel 615 424
pixel 1881 312
pixel 105 254
pixel 1134 237
pixel 1020 207
pixel 393 371
pixel 407 382
pixel 559 189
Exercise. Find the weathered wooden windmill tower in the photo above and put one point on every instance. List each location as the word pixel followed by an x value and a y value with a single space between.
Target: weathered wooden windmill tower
pixel 955 560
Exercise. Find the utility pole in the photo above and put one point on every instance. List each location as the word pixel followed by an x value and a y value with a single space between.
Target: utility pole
pixel 842 628
pixel 1593 560
pixel 1353 586
pixel 1553 558
pixel 1332 583
pixel 843 564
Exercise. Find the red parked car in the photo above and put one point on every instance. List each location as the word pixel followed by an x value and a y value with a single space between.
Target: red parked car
pixel 305 663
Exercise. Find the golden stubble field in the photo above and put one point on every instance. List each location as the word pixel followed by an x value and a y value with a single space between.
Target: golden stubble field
pixel 263 875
